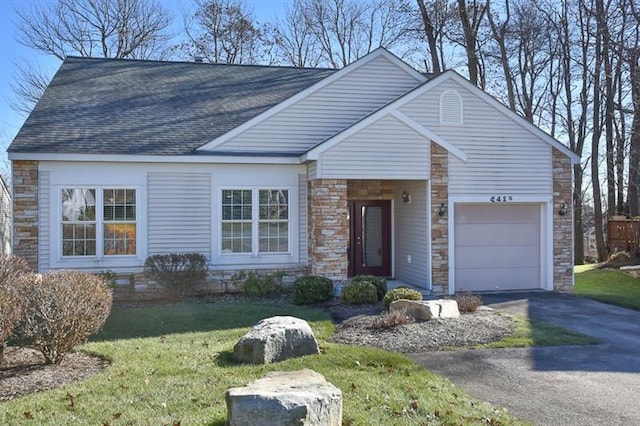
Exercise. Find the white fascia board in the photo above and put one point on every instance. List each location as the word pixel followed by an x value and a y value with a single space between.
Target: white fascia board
pixel 429 134
pixel 312 89
pixel 119 158
pixel 513 116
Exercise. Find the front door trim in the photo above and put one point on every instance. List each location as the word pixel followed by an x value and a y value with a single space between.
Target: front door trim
pixel 357 262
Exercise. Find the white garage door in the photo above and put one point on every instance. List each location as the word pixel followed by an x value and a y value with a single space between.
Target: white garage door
pixel 497 247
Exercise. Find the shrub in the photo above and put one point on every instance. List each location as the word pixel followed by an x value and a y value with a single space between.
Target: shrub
pixel 61 310
pixel 400 293
pixel 269 285
pixel 379 282
pixel 359 293
pixel 388 320
pixel 468 302
pixel 9 315
pixel 176 272
pixel 312 289
pixel 11 267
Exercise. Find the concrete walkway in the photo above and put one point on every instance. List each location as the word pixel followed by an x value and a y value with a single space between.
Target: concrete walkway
pixel 565 385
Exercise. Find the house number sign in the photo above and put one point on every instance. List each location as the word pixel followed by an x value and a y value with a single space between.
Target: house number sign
pixel 501 198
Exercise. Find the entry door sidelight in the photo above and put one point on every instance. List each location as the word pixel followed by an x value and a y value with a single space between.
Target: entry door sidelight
pixel 370 246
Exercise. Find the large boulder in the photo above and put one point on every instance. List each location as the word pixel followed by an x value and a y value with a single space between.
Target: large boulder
pixel 426 309
pixel 285 398
pixel 276 339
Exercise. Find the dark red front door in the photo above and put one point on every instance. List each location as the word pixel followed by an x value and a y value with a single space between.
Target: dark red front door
pixel 370 245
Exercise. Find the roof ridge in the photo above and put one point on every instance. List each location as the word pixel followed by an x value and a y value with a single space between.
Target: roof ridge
pixel 160 61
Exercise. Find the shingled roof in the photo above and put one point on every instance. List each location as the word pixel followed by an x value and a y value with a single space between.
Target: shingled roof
pixel 111 106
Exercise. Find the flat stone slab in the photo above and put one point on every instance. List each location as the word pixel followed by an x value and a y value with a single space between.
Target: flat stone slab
pixel 285 398
pixel 276 339
pixel 426 309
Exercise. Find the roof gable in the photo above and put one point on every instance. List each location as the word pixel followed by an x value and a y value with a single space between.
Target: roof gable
pixel 349 93
pixel 394 109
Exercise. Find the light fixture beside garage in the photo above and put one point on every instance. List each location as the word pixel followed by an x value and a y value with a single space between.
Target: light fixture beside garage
pixel 442 210
pixel 563 209
pixel 406 197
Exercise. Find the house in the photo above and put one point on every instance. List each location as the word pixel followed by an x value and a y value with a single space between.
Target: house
pixel 371 169
pixel 5 219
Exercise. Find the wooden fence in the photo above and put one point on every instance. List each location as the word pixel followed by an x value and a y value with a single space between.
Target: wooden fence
pixel 622 234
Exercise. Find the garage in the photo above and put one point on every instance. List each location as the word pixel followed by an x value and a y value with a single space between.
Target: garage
pixel 497 247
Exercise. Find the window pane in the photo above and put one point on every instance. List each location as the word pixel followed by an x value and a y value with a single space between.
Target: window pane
pixel 274 237
pixel 119 228
pixel 274 204
pixel 236 204
pixel 119 239
pixel 78 240
pixel 78 205
pixel 236 237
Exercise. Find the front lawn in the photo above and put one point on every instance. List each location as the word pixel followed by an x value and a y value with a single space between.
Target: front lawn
pixel 171 365
pixel 609 286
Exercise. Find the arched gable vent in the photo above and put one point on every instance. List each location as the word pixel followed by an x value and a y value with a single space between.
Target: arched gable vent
pixel 450 107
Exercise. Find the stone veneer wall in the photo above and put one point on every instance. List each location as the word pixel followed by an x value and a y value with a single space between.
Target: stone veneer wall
pixel 328 228
pixel 136 287
pixel 439 224
pixel 25 211
pixel 562 225
pixel 358 189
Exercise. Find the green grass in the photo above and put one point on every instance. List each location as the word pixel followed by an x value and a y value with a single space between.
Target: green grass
pixel 172 363
pixel 536 333
pixel 609 286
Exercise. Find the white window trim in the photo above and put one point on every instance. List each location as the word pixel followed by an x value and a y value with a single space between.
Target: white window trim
pixel 255 257
pixel 98 261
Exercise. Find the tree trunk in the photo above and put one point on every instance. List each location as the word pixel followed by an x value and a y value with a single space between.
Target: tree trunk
pixel 432 39
pixel 634 148
pixel 596 133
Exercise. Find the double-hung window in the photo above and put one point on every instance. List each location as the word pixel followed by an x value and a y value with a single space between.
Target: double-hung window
pixel 99 222
pixel 255 221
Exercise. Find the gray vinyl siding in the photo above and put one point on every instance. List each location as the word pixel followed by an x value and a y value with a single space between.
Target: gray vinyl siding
pixel 179 213
pixel 312 170
pixel 44 214
pixel 326 111
pixel 303 221
pixel 503 157
pixel 410 233
pixel 5 219
pixel 386 149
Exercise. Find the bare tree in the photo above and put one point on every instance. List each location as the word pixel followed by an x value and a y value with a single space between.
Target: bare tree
pixel 106 28
pixel 348 29
pixel 28 85
pixel 103 28
pixel 501 31
pixel 434 16
pixel 295 40
pixel 226 31
pixel 633 60
pixel 596 125
pixel 470 18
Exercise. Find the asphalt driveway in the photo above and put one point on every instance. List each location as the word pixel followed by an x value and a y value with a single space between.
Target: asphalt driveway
pixel 564 385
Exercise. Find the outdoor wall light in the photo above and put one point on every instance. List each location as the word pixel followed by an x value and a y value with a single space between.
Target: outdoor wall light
pixel 563 209
pixel 442 210
pixel 406 197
